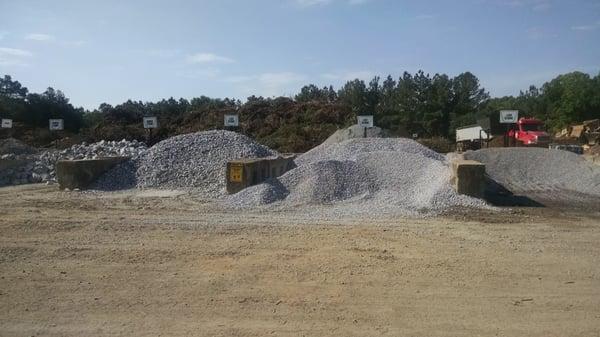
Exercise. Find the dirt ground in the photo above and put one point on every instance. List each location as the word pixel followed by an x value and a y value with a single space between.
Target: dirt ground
pixel 163 264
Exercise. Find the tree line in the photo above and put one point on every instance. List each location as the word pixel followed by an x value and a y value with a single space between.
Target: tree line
pixel 430 106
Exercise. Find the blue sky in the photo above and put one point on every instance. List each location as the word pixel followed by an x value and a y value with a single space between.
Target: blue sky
pixel 111 51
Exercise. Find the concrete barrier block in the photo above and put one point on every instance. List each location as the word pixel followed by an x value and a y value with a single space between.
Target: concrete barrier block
pixel 82 173
pixel 243 173
pixel 468 177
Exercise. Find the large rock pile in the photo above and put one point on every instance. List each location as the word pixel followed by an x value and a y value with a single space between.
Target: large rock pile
pixel 31 166
pixel 364 176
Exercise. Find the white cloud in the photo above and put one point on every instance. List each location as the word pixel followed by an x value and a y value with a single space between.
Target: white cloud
pixel 204 58
pixel 535 5
pixel 40 37
pixel 586 27
pixel 268 84
pixel 14 57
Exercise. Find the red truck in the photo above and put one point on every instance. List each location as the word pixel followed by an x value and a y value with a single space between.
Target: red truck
pixel 529 132
pixel 526 132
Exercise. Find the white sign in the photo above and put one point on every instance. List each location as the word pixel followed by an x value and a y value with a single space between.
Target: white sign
pixel 56 124
pixel 509 116
pixel 150 122
pixel 365 121
pixel 6 123
pixel 232 120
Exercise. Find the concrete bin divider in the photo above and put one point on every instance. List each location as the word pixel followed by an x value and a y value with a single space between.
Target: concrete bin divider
pixel 468 177
pixel 82 173
pixel 243 173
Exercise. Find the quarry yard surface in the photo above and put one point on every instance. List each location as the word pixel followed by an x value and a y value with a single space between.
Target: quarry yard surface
pixel 159 263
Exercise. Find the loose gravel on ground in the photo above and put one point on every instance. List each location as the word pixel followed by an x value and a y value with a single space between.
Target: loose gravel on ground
pixel 524 170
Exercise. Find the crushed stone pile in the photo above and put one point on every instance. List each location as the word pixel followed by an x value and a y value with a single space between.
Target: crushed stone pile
pixel 523 170
pixel 356 131
pixel 364 176
pixel 10 147
pixel 39 167
pixel 195 161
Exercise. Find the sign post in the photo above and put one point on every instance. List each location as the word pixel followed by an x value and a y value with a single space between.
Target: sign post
pixel 508 117
pixel 56 124
pixel 149 124
pixel 365 122
pixel 231 121
pixel 7 123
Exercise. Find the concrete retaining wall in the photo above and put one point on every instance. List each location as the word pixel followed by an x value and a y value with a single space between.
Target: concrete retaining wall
pixel 82 173
pixel 468 177
pixel 247 172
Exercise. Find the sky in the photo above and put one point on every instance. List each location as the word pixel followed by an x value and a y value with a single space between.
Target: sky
pixel 111 51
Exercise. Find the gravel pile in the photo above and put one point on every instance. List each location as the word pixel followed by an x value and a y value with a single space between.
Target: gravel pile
pixel 363 176
pixel 39 167
pixel 14 147
pixel 196 161
pixel 356 131
pixel 524 170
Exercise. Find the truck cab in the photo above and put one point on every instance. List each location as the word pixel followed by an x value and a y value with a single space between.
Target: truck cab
pixel 529 132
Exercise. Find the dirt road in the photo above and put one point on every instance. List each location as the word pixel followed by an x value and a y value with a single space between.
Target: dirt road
pixel 162 264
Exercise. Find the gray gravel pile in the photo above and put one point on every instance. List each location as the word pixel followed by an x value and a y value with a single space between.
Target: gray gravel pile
pixel 39 167
pixel 356 131
pixel 523 170
pixel 14 147
pixel 363 176
pixel 196 161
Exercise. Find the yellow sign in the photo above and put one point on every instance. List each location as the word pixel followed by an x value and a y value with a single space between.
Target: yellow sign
pixel 236 173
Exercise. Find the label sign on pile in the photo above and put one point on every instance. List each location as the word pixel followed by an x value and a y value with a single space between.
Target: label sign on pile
pixel 6 123
pixel 509 116
pixel 236 173
pixel 365 121
pixel 150 122
pixel 232 120
pixel 56 124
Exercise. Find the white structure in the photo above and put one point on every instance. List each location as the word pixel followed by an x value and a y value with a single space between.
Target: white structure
pixel 365 121
pixel 6 123
pixel 150 122
pixel 56 124
pixel 509 116
pixel 231 120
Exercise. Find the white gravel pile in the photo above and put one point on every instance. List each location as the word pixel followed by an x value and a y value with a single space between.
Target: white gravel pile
pixel 356 131
pixel 39 167
pixel 524 170
pixel 196 161
pixel 363 176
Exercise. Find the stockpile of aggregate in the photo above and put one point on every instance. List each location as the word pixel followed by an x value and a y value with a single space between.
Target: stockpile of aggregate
pixel 356 131
pixel 13 147
pixel 195 161
pixel 363 176
pixel 523 170
pixel 39 166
